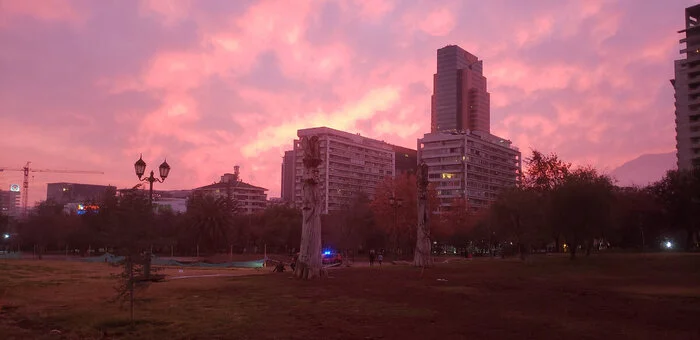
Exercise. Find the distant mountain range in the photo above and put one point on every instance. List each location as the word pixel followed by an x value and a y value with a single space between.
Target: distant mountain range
pixel 644 169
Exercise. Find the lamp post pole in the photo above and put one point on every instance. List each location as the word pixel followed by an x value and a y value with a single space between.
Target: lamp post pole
pixel 140 169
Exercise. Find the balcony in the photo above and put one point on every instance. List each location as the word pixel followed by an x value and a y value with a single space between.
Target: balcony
pixel 693 100
pixel 693 91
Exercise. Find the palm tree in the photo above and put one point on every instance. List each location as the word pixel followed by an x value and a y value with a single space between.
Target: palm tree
pixel 210 219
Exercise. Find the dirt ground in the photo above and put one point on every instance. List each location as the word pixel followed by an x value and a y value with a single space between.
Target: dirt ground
pixel 654 296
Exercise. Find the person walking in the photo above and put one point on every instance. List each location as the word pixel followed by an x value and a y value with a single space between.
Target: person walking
pixel 371 258
pixel 380 258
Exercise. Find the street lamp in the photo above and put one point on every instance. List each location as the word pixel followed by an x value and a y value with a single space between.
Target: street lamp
pixel 396 203
pixel 140 168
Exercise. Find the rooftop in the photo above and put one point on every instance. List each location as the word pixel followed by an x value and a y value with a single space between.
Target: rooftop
pixel 224 185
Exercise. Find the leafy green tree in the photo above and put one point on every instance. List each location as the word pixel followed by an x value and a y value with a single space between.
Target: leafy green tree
pixel 638 217
pixel 517 217
pixel 281 228
pixel 679 194
pixel 350 228
pixel 44 227
pixel 211 221
pixel 544 174
pixel 581 208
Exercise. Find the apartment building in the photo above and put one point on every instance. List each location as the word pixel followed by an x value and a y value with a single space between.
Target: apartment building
pixel 473 165
pixel 687 97
pixel 287 187
pixel 251 199
pixel 352 164
pixel 9 202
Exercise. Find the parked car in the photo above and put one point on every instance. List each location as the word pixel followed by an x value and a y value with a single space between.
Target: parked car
pixel 331 258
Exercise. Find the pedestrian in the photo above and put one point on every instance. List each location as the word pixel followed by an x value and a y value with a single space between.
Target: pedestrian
pixel 371 258
pixel 380 258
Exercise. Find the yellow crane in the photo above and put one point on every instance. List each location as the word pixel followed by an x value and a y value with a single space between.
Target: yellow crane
pixel 25 185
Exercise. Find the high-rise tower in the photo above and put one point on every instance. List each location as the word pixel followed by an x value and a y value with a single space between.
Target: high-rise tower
pixel 687 86
pixel 460 100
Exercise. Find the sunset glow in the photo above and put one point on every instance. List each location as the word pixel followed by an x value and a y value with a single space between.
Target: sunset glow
pixel 90 85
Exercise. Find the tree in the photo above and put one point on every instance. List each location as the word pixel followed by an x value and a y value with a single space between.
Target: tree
pixel 454 225
pixel 581 207
pixel 679 194
pixel 638 217
pixel 397 220
pixel 309 264
pixel 128 225
pixel 517 217
pixel 45 226
pixel 281 227
pixel 210 218
pixel 422 256
pixel 544 174
pixel 351 228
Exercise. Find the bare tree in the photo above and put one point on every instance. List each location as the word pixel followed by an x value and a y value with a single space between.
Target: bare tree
pixel 422 257
pixel 309 264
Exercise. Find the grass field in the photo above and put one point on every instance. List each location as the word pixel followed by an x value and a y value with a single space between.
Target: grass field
pixel 655 296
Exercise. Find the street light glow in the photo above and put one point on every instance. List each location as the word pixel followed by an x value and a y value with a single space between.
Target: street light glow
pixel 669 244
pixel 6 236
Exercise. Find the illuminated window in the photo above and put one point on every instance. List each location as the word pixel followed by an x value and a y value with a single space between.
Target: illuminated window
pixel 445 175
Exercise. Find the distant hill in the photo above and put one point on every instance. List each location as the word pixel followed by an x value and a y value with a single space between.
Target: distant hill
pixel 644 169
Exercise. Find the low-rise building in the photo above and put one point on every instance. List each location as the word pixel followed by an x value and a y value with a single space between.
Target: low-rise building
pixel 63 193
pixel 471 165
pixel 251 199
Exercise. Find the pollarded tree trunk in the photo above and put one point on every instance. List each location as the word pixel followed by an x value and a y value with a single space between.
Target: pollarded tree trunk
pixel 309 265
pixel 422 256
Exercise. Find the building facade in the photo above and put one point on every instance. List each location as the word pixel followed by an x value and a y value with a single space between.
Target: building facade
pixel 460 99
pixel 405 160
pixel 687 97
pixel 10 203
pixel 351 164
pixel 471 165
pixel 63 193
pixel 251 199
pixel 287 188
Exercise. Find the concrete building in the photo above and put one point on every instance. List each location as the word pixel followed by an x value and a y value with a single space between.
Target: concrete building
pixel 687 85
pixel 352 164
pixel 10 203
pixel 460 99
pixel 405 160
pixel 464 159
pixel 63 193
pixel 251 199
pixel 471 165
pixel 287 188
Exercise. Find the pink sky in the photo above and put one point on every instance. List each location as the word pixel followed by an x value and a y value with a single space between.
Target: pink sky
pixel 88 85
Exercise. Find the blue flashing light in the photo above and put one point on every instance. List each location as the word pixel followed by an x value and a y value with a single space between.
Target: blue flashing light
pixel 327 252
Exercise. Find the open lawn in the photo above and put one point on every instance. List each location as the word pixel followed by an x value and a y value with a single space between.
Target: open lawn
pixel 654 296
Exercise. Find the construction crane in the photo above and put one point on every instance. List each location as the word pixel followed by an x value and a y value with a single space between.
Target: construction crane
pixel 25 185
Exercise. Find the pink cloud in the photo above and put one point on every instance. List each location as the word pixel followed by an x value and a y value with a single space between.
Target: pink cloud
pixel 215 84
pixel 438 23
pixel 47 10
